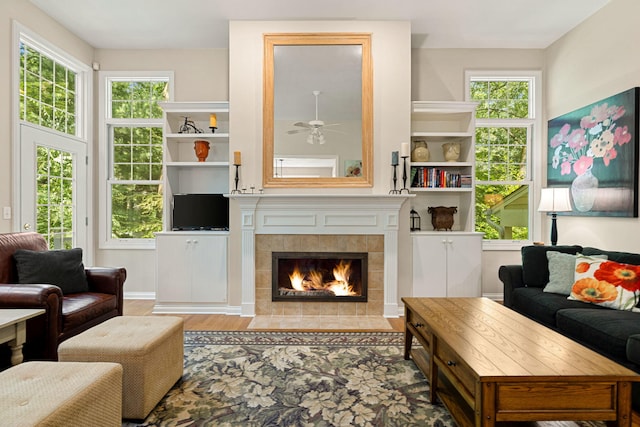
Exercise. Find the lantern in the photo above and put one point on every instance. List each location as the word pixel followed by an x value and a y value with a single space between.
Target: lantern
pixel 414 220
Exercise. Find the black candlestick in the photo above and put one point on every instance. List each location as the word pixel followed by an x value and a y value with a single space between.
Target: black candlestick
pixel 237 178
pixel 404 174
pixel 395 180
pixel 554 229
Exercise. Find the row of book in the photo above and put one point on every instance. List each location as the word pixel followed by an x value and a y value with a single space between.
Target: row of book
pixel 430 177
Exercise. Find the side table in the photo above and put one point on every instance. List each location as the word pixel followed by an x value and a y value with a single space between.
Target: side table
pixel 13 329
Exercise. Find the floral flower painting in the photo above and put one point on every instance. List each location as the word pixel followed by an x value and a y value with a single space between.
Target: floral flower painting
pixel 594 152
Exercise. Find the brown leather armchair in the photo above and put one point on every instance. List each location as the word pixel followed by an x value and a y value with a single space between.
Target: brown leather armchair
pixel 65 315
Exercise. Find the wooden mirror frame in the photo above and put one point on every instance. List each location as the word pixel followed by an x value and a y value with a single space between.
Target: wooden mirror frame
pixel 295 39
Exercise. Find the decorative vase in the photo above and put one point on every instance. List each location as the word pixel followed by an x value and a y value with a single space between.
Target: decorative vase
pixel 584 190
pixel 202 149
pixel 451 151
pixel 420 152
pixel 442 217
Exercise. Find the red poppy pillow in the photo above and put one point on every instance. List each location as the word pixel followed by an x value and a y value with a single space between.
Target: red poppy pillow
pixel 606 283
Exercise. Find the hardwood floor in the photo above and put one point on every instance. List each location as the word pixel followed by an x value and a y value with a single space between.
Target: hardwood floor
pixel 222 322
pixel 213 322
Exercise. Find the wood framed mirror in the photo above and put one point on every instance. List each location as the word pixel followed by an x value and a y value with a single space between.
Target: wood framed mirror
pixel 318 110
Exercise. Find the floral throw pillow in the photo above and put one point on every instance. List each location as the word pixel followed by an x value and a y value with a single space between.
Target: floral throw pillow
pixel 607 283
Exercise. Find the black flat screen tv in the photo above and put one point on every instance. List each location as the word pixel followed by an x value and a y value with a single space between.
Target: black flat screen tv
pixel 200 212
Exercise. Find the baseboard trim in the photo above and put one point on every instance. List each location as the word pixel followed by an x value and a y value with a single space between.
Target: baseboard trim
pixel 139 295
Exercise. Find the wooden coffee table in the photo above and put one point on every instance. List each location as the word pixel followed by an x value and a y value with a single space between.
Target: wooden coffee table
pixel 13 329
pixel 489 364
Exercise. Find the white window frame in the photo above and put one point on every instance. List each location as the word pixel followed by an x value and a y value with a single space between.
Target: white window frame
pixel 84 101
pixel 535 146
pixel 105 152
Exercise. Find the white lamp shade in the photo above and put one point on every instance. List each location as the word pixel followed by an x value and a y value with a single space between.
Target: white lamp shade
pixel 554 200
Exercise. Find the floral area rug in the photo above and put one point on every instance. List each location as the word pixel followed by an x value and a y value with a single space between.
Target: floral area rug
pixel 297 379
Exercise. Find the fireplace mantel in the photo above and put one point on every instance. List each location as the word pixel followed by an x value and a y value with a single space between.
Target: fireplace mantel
pixel 320 214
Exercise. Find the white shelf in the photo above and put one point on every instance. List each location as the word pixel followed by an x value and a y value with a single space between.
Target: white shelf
pixel 443 164
pixel 198 164
pixel 442 135
pixel 189 137
pixel 441 189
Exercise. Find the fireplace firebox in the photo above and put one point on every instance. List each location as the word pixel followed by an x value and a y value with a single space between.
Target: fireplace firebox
pixel 319 276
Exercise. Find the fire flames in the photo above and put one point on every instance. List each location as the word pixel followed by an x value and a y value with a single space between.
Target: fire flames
pixel 313 281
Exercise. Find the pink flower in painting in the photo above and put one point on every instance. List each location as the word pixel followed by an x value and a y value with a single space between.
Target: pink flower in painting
pixel 616 112
pixel 621 136
pixel 577 139
pixel 561 136
pixel 609 155
pixel 600 112
pixel 582 165
pixel 596 137
pixel 588 122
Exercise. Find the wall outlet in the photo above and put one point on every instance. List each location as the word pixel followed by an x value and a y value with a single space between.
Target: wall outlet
pixel 6 212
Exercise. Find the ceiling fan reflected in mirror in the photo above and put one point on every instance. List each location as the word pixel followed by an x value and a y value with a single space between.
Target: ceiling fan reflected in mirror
pixel 314 127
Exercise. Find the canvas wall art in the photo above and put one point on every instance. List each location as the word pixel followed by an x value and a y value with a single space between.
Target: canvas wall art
pixel 594 151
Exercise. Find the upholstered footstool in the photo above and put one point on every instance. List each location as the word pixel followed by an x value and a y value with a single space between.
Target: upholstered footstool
pixel 61 394
pixel 150 350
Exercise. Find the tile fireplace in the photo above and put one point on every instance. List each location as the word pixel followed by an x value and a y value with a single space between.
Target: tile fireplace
pixel 331 223
pixel 319 276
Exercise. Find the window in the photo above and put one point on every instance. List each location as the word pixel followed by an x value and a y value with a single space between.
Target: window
pixel 48 89
pixel 506 124
pixel 133 140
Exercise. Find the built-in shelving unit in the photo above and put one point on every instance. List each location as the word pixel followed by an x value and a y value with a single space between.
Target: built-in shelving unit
pixel 183 173
pixel 445 263
pixel 191 266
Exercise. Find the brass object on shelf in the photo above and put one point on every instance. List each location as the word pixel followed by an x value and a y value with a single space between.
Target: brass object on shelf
pixel 442 217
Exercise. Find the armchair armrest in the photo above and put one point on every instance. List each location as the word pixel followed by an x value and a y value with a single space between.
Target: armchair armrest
pixel 511 277
pixel 108 280
pixel 49 325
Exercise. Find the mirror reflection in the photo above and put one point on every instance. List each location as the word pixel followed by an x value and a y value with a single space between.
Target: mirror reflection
pixel 317 110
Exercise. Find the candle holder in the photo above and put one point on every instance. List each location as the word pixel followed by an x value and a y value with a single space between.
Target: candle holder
pixel 395 180
pixel 404 174
pixel 213 129
pixel 236 179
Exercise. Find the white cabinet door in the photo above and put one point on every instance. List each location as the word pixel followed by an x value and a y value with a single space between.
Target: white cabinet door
pixel 429 272
pixel 464 267
pixel 209 269
pixel 173 268
pixel 192 268
pixel 447 265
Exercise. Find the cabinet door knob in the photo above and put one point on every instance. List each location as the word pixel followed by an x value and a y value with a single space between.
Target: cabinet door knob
pixel 451 363
pixel 419 325
pixel 188 241
pixel 195 242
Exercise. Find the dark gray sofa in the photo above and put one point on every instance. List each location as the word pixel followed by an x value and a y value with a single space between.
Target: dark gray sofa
pixel 612 333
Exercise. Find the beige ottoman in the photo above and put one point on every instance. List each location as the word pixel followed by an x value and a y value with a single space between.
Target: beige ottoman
pixel 60 394
pixel 150 350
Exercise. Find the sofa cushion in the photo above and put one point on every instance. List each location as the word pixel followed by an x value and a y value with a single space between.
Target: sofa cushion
pixel 62 268
pixel 633 349
pixel 82 308
pixel 562 268
pixel 602 329
pixel 535 270
pixel 607 283
pixel 625 257
pixel 542 306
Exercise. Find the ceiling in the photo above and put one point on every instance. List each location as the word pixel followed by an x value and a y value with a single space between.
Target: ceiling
pixel 163 24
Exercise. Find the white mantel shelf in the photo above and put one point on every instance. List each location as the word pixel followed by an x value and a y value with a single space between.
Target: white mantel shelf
pixel 320 214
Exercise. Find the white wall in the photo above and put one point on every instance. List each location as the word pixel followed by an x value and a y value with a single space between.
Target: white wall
pixel 200 75
pixel 593 61
pixel 31 17
pixel 391 53
pixel 438 75
pixel 596 60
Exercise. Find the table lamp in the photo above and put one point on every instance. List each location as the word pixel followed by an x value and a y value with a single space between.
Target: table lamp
pixel 554 200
